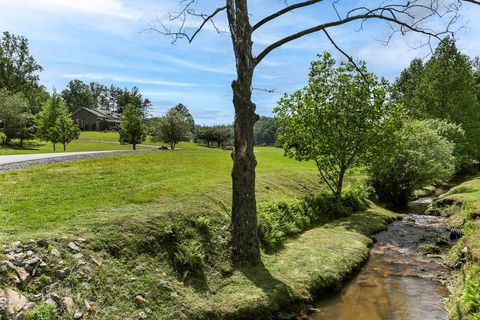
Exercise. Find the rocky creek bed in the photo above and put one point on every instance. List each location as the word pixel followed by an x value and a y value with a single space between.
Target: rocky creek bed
pixel 404 277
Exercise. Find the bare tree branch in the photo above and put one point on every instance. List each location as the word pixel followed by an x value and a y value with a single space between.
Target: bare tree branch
pixel 473 1
pixel 363 17
pixel 283 11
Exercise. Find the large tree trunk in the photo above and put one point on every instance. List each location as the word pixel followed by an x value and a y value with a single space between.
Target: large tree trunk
pixel 246 247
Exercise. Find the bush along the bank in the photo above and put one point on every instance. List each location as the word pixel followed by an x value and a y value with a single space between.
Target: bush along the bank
pixel 420 157
pixel 280 220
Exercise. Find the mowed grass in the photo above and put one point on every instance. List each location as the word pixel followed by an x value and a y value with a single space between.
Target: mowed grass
pixel 37 146
pixel 115 136
pixel 71 196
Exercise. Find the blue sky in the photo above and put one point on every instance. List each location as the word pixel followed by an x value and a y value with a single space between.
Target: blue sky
pixel 106 41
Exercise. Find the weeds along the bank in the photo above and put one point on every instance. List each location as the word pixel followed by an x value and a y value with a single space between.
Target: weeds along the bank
pixel 462 206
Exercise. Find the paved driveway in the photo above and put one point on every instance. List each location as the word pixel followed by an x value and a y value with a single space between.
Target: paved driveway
pixel 40 156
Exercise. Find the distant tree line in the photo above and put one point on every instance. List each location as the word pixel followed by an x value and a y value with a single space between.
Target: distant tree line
pixel 94 95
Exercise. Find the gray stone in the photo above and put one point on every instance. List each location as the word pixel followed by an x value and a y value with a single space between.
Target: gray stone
pixel 33 261
pixel 78 256
pixel 73 246
pixel 9 265
pixel 165 285
pixel 3 269
pixel 78 315
pixel 55 297
pixel 55 253
pixel 52 303
pixel 68 304
pixel 29 306
pixel 15 301
pixel 42 243
pixel 61 274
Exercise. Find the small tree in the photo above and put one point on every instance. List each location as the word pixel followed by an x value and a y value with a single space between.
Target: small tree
pixel 340 118
pixel 47 119
pixel 17 121
pixel 65 129
pixel 132 127
pixel 171 128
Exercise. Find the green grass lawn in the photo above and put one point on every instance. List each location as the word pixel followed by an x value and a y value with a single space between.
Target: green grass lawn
pixel 114 136
pixel 136 210
pixel 36 146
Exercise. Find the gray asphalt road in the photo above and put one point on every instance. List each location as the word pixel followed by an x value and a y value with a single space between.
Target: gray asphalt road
pixel 40 156
pixel 15 162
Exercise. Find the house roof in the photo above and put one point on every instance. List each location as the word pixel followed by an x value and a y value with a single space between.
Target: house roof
pixel 103 114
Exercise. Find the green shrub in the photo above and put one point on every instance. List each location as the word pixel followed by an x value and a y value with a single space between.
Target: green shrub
pixel 42 311
pixel 471 293
pixel 3 137
pixel 203 224
pixel 189 257
pixel 419 158
pixel 278 221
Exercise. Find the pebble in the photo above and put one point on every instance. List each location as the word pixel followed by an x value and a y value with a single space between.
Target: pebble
pixel 73 246
pixel 78 315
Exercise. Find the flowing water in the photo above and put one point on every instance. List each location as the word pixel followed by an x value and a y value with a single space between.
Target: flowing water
pixel 397 282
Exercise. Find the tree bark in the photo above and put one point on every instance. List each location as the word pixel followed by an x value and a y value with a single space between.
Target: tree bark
pixel 339 187
pixel 64 147
pixel 246 246
pixel 134 146
pixel 53 146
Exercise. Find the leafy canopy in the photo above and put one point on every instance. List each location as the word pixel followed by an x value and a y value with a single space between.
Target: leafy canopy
pixel 132 127
pixel 172 128
pixel 339 120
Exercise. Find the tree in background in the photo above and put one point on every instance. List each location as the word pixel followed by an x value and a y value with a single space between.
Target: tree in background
pixel 77 95
pixel 217 134
pixel 47 119
pixel 65 129
pixel 265 131
pixel 15 117
pixel 182 109
pixel 476 75
pixel 406 86
pixel 18 70
pixel 132 97
pixel 132 127
pixel 338 120
pixel 419 157
pixel 447 91
pixel 172 128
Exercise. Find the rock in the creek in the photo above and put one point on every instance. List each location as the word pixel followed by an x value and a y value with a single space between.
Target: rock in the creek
pixel 78 315
pixel 78 256
pixel 73 246
pixel 15 301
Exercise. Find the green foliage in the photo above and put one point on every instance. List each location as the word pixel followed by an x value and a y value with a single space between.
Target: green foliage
pixel 471 293
pixel 172 128
pixel 280 220
pixel 65 130
pixel 406 86
pixel 15 116
pixel 46 120
pixel 446 91
pixel 42 311
pixel 77 95
pixel 419 157
pixel 132 128
pixel 218 134
pixel 19 70
pixel 428 248
pixel 182 109
pixel 338 120
pixel 189 257
pixel 265 131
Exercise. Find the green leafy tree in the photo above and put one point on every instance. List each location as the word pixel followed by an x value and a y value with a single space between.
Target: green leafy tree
pixel 338 120
pixel 406 86
pixel 419 157
pixel 15 117
pixel 447 91
pixel 265 131
pixel 78 95
pixel 182 109
pixel 65 129
pixel 19 70
pixel 47 119
pixel 132 127
pixel 172 128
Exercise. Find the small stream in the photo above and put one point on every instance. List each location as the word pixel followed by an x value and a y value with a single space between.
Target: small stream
pixel 397 282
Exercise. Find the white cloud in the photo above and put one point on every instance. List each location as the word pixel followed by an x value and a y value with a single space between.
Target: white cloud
pixel 119 78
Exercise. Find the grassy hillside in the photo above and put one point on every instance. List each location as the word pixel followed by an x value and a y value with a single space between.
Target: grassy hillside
pixel 157 226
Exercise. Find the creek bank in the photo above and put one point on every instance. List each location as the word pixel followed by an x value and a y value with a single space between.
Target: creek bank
pixel 461 206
